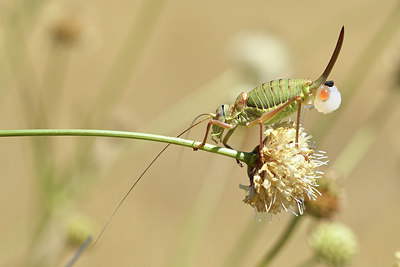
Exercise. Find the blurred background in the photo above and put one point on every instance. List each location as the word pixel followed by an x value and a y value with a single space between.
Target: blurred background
pixel 152 66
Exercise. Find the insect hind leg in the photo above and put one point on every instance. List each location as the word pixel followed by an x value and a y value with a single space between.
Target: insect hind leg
pixel 267 117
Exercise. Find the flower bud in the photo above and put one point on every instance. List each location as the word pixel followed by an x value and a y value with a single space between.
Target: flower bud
pixel 333 243
pixel 78 228
pixel 332 198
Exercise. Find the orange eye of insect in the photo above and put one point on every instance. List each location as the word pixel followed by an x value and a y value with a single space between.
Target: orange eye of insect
pixel 324 94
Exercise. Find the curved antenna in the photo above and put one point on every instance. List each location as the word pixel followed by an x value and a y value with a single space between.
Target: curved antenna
pixel 331 63
pixel 180 155
pixel 194 120
pixel 140 177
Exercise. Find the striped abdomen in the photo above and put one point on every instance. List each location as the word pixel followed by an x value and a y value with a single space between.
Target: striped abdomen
pixel 273 94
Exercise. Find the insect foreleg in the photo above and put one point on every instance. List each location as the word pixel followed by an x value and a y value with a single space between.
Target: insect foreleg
pixel 225 141
pixel 227 136
pixel 210 123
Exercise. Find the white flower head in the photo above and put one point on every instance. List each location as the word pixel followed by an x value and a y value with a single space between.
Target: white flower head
pixel 334 243
pixel 261 53
pixel 288 175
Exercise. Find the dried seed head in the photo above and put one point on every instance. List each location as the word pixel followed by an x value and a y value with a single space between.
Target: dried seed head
pixel 333 243
pixel 70 24
pixel 288 176
pixel 67 31
pixel 331 201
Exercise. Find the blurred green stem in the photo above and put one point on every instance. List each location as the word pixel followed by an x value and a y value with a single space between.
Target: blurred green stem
pixel 200 215
pixel 18 25
pixel 53 79
pixel 244 244
pixel 280 243
pixel 365 136
pixel 127 58
pixel 242 156
pixel 119 76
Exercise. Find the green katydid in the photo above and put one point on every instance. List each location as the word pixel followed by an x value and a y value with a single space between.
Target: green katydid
pixel 266 104
pixel 275 100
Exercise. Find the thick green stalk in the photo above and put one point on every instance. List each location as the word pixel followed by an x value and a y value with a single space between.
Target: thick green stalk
pixel 242 156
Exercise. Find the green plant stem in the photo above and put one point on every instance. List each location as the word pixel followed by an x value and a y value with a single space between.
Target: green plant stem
pixel 242 156
pixel 280 243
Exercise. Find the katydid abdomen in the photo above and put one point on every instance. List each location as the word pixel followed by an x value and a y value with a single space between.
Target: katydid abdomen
pixel 271 95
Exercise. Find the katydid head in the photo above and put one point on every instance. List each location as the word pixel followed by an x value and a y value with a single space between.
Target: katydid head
pixel 227 115
pixel 220 115
pixel 327 98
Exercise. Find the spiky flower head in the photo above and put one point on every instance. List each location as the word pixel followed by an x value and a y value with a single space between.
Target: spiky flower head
pixel 287 176
pixel 333 243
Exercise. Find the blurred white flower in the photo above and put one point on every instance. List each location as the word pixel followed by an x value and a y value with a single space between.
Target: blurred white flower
pixel 262 54
pixel 333 243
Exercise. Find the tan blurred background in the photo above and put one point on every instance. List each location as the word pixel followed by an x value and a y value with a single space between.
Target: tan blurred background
pixel 161 63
